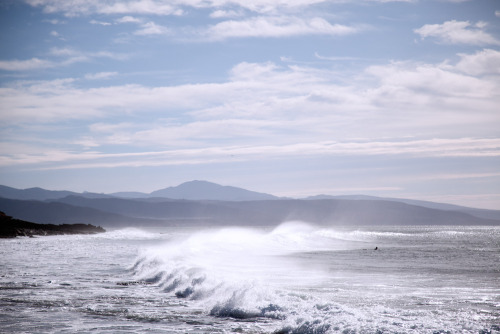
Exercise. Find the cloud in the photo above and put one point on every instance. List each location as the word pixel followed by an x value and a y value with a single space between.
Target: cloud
pixel 68 56
pixel 128 19
pixel 71 56
pixel 220 13
pixel 110 127
pixel 56 159
pixel 419 91
pixel 223 8
pixel 87 7
pixel 55 21
pixel 430 81
pixel 317 55
pixel 264 26
pixel 107 54
pixel 64 52
pixel 458 32
pixel 100 75
pixel 160 7
pixel 151 28
pixel 485 62
pixel 140 7
pixel 265 6
pixel 25 65
pixel 56 34
pixel 454 176
pixel 295 105
pixel 102 23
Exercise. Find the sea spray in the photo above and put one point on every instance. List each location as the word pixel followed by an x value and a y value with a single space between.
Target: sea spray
pixel 245 273
pixel 293 279
pixel 231 255
pixel 297 277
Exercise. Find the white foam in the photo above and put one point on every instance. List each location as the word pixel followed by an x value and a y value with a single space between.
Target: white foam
pixel 239 272
pixel 129 233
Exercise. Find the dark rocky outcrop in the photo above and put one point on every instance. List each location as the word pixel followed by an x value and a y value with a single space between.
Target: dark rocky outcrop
pixel 11 228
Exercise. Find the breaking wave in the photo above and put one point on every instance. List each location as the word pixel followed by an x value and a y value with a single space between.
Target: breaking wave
pixel 245 273
pixel 280 279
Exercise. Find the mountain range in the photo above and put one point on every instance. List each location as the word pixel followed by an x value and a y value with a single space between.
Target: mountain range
pixel 192 190
pixel 202 202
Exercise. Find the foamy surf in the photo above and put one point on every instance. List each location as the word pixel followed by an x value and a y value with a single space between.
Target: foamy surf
pixel 286 279
pixel 295 278
pixel 242 273
pixel 130 233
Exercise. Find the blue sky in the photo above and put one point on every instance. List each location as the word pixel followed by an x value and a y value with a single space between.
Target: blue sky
pixel 292 98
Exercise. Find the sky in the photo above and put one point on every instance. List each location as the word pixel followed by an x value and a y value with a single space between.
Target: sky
pixel 293 98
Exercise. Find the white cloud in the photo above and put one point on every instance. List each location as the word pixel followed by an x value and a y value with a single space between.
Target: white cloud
pixel 458 32
pixel 68 56
pixel 150 7
pixel 267 6
pixel 25 65
pixel 54 33
pixel 462 147
pixel 55 21
pixel 110 127
pixel 483 62
pixel 102 23
pixel 140 7
pixel 107 54
pixel 100 75
pixel 220 13
pixel 295 104
pixel 265 26
pixel 453 176
pixel 151 28
pixel 223 8
pixel 430 81
pixel 86 7
pixel 160 7
pixel 73 55
pixel 64 52
pixel 128 19
pixel 317 55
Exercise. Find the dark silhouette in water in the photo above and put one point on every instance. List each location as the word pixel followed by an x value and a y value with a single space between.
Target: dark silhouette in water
pixel 376 248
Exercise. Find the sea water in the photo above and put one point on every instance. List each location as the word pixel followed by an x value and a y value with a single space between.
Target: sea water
pixel 295 278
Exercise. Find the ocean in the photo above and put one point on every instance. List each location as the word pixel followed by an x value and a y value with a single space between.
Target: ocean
pixel 296 278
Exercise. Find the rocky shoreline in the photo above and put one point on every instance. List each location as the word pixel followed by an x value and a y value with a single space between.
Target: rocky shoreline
pixel 11 228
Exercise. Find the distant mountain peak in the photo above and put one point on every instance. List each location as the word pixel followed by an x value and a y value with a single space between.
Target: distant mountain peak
pixel 205 190
pixel 198 183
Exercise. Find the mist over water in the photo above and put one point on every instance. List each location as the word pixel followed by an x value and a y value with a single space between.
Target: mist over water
pixel 237 272
pixel 237 255
pixel 294 278
pixel 317 280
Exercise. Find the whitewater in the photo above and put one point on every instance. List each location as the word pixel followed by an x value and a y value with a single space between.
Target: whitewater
pixel 295 278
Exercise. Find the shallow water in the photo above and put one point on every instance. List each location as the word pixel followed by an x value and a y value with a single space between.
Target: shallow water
pixel 295 278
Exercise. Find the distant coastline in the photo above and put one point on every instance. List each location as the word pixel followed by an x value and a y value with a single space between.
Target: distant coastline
pixel 12 228
pixel 203 203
